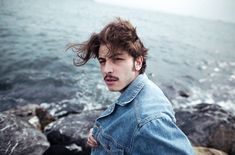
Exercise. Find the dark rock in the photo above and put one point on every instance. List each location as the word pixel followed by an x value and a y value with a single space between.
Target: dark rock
pixel 208 125
pixel 176 90
pixel 5 85
pixel 62 150
pixel 184 93
pixel 18 137
pixel 70 133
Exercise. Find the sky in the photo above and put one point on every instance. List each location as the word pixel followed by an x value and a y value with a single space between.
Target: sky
pixel 223 10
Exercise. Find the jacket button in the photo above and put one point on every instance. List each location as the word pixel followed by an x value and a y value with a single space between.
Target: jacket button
pixel 108 147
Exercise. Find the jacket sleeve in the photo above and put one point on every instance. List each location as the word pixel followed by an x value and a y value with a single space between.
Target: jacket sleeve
pixel 160 136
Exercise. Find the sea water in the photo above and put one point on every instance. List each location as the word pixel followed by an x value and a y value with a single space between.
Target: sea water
pixel 187 55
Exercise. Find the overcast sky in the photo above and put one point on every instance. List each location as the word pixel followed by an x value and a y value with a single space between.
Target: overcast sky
pixel 211 9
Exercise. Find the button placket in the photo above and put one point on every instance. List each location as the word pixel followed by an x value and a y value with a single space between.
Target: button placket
pixel 108 147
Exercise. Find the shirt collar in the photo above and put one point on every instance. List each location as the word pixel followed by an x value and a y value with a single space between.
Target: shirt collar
pixel 132 90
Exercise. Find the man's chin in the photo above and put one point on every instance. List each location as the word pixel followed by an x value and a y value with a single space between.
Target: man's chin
pixel 113 89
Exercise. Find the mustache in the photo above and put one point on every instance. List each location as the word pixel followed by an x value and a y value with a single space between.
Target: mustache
pixel 110 77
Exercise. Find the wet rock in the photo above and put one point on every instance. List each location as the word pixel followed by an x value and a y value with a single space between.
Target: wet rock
pixel 5 85
pixel 208 125
pixel 35 122
pixel 208 151
pixel 175 91
pixel 32 113
pixel 70 133
pixel 183 93
pixel 64 150
pixel 18 137
pixel 170 91
pixel 62 109
pixel 26 112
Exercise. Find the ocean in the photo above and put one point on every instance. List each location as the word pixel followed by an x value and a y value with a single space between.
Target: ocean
pixel 191 59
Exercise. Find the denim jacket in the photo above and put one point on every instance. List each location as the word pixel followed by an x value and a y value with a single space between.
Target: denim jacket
pixel 140 122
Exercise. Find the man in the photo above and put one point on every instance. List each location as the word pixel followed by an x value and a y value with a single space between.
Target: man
pixel 141 121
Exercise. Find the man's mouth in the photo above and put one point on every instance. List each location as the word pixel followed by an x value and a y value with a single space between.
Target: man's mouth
pixel 110 80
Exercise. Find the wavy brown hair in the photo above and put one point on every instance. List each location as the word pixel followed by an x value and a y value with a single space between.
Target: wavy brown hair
pixel 117 35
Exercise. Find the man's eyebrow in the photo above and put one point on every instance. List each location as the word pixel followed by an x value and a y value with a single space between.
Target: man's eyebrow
pixel 117 54
pixel 111 55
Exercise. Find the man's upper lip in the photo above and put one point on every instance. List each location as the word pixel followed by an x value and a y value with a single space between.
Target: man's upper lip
pixel 110 78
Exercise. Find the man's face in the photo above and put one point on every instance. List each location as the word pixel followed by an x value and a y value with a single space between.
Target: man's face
pixel 117 69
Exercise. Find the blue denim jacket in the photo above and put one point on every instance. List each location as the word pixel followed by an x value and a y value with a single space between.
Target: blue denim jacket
pixel 140 122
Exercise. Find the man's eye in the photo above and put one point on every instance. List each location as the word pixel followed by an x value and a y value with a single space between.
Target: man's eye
pixel 101 61
pixel 118 59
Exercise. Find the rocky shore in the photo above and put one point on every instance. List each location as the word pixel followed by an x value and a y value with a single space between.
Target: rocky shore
pixel 35 130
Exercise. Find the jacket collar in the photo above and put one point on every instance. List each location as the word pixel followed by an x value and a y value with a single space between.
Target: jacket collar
pixel 132 90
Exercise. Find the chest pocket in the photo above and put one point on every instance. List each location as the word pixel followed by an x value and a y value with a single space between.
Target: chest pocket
pixel 110 145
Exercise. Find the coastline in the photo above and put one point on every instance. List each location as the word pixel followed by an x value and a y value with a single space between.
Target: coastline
pixel 209 128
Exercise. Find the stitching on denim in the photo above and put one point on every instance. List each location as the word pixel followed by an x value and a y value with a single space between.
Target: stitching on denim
pixel 132 139
pixel 158 116
pixel 101 143
pixel 111 138
pixel 134 93
pixel 107 112
pixel 107 137
pixel 137 113
pixel 133 90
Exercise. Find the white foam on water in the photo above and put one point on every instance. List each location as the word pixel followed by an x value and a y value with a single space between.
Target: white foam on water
pixel 200 96
pixel 231 78
pixel 232 63
pixel 216 69
pixel 223 64
pixel 92 106
pixel 227 105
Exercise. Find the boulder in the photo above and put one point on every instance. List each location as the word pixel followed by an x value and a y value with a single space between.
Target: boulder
pixel 62 109
pixel 36 115
pixel 208 151
pixel 25 112
pixel 18 137
pixel 208 125
pixel 68 135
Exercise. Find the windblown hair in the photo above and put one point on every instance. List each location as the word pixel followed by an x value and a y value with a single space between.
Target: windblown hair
pixel 117 35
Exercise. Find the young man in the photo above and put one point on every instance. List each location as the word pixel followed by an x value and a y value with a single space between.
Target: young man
pixel 141 121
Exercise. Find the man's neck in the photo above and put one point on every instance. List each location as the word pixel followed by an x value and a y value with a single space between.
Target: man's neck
pixel 121 91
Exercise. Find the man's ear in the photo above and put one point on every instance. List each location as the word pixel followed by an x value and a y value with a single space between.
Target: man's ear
pixel 138 63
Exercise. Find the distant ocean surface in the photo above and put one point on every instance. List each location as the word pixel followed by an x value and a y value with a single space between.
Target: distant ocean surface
pixel 191 59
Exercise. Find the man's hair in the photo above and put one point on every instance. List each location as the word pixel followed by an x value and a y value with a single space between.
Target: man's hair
pixel 117 35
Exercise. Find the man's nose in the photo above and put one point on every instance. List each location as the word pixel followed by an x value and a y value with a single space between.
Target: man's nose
pixel 108 68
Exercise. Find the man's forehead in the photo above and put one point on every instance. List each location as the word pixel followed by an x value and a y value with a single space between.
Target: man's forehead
pixel 105 51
